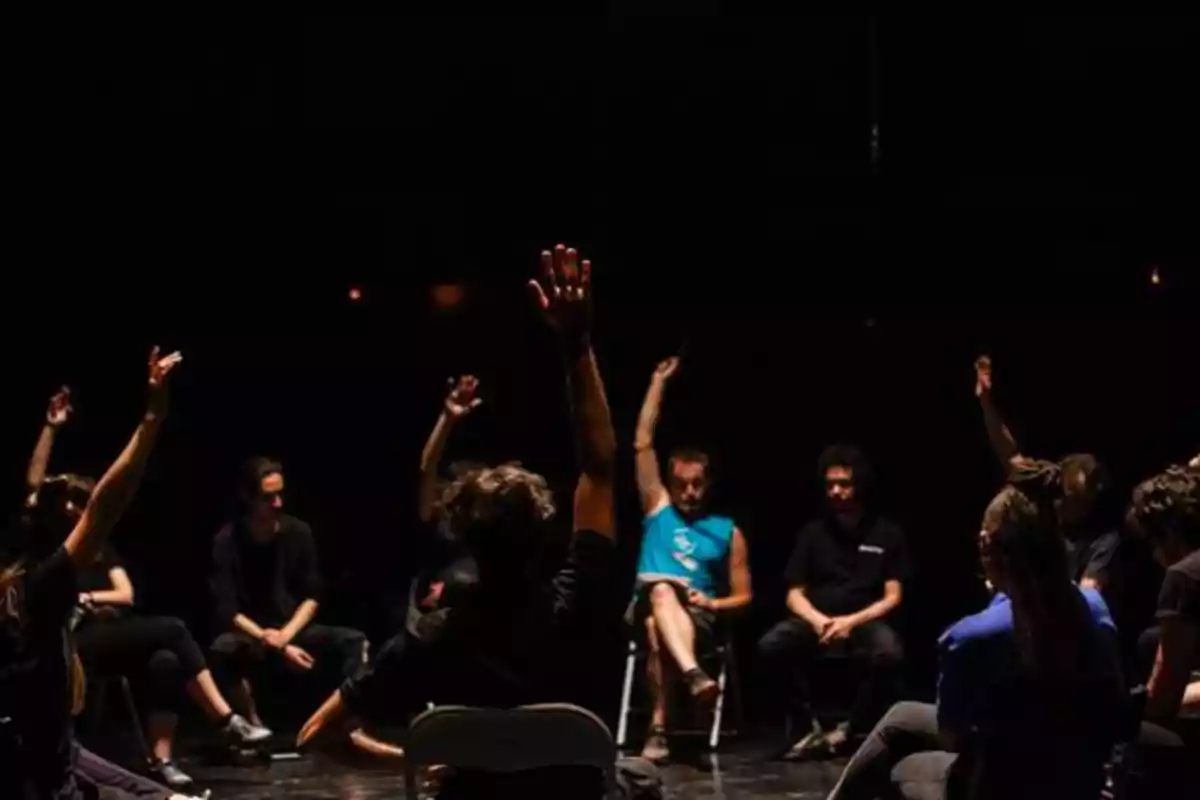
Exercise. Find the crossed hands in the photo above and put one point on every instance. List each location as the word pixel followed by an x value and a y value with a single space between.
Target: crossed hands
pixel 294 655
pixel 835 629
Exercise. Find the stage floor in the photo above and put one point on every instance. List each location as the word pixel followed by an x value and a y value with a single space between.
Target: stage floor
pixel 739 774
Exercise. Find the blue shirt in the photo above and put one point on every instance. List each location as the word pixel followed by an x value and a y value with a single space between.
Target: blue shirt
pixel 692 553
pixel 978 650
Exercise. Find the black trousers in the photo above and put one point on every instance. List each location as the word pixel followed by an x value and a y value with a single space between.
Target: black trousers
pixel 102 779
pixel 902 751
pixel 790 649
pixel 157 653
pixel 236 654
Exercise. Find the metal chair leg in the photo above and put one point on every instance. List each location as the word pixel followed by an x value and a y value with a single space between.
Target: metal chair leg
pixel 714 735
pixel 626 695
pixel 136 719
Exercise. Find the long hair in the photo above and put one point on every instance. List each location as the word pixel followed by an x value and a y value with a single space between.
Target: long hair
pixel 1050 619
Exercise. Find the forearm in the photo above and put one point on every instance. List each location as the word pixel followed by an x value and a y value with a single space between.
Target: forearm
pixel 40 461
pixel 1191 699
pixel 732 602
pixel 248 626
pixel 1166 690
pixel 877 610
pixel 114 490
pixel 299 621
pixel 431 457
pixel 597 441
pixel 111 597
pixel 1004 444
pixel 648 417
pixel 802 607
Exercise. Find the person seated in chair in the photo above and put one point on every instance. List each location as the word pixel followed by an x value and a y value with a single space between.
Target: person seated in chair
pixel 514 638
pixel 111 640
pixel 687 557
pixel 267 587
pixel 1167 512
pixel 845 577
pixel 1031 697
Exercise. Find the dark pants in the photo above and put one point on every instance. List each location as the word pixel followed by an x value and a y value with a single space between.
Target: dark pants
pixel 791 647
pixel 97 778
pixel 236 654
pixel 903 751
pixel 159 650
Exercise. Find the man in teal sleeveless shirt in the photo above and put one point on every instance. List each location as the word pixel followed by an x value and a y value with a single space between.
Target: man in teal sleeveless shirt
pixel 693 565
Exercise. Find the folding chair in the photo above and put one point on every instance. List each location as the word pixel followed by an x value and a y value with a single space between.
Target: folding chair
pixel 100 699
pixel 508 740
pixel 728 673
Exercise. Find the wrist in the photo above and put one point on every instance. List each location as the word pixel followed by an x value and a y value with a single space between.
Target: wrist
pixel 578 345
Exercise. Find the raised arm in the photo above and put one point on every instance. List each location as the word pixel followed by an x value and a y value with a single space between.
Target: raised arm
pixel 564 296
pixel 649 478
pixel 56 416
pixel 460 402
pixel 1004 444
pixel 118 485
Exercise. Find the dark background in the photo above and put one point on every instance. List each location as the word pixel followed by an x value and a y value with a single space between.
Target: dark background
pixel 218 183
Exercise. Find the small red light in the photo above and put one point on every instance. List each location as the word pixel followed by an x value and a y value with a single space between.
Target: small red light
pixel 355 293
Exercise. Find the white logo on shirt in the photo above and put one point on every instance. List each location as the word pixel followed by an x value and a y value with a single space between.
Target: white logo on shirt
pixel 870 548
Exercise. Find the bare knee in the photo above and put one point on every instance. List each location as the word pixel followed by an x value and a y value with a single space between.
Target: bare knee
pixel 663 594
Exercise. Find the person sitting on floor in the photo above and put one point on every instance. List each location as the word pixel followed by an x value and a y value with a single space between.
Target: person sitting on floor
pixel 688 559
pixel 1031 697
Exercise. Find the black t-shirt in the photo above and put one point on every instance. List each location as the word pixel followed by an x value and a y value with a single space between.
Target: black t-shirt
pixel 505 652
pixel 1180 594
pixel 95 576
pixel 35 679
pixel 844 570
pixel 266 580
pixel 1092 557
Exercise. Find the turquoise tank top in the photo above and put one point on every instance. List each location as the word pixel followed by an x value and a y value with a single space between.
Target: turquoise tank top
pixel 694 553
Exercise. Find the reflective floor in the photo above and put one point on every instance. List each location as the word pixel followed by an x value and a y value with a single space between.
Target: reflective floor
pixel 740 774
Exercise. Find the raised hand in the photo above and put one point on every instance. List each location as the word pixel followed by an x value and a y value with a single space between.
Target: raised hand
pixel 60 409
pixel 666 369
pixel 983 376
pixel 563 293
pixel 462 399
pixel 160 368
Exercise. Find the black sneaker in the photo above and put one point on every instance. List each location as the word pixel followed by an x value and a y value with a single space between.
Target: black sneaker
pixel 171 774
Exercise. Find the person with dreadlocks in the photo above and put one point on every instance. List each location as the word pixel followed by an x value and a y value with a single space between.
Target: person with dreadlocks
pixel 1030 692
pixel 40 679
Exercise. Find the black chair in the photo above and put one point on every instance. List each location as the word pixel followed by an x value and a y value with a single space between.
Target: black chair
pixel 101 686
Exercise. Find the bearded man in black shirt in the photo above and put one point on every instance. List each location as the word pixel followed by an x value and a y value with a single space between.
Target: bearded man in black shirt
pixel 844 578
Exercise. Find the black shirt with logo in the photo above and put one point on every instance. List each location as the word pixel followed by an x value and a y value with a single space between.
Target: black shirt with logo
pixel 843 570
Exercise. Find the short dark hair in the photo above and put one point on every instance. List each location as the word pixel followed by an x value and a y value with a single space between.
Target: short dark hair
pixel 499 514
pixel 253 472
pixel 1095 474
pixel 690 455
pixel 849 456
pixel 1168 503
